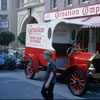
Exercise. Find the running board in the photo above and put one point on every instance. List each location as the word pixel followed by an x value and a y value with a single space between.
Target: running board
pixel 60 70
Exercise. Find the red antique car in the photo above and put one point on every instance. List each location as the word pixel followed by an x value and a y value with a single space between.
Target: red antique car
pixel 59 36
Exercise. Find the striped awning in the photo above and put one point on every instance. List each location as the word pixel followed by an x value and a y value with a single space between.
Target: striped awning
pixel 94 21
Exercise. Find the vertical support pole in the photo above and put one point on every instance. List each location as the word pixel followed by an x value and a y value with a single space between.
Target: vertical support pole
pixel 91 45
pixel 94 39
pixel 83 40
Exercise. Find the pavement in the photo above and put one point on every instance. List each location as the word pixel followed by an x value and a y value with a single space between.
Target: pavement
pixel 15 85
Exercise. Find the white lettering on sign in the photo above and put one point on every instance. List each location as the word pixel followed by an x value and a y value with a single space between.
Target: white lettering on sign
pixel 36 36
pixel 72 13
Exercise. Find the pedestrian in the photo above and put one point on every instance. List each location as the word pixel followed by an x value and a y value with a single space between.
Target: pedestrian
pixel 50 77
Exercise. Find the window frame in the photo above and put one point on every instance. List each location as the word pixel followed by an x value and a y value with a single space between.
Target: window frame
pixel 54 4
pixel 85 1
pixel 3 5
pixel 68 4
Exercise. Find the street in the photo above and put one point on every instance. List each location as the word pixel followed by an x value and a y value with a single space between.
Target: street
pixel 15 85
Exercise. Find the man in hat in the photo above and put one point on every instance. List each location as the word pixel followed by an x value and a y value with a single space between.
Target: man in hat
pixel 50 77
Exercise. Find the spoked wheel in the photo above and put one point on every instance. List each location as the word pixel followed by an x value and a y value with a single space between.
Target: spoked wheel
pixel 29 69
pixel 77 82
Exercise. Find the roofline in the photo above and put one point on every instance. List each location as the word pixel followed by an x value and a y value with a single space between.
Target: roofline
pixel 32 6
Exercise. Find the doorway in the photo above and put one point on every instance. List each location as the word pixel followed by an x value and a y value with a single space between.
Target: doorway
pixel 61 42
pixel 83 39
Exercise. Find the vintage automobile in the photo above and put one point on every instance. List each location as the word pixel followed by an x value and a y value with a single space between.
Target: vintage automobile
pixel 59 36
pixel 6 60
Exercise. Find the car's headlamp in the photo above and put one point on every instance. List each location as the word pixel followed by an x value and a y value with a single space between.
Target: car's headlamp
pixel 92 69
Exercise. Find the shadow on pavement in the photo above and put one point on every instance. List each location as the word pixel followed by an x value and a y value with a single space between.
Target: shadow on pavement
pixel 39 79
pixel 93 89
pixel 7 79
pixel 11 71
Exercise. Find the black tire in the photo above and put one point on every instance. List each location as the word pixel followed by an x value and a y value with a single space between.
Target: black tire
pixel 77 82
pixel 10 64
pixel 29 69
pixel 1 67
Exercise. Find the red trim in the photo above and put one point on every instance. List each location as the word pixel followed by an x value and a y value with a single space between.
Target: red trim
pixel 61 56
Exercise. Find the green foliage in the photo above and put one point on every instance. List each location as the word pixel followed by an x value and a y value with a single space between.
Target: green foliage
pixel 6 37
pixel 22 37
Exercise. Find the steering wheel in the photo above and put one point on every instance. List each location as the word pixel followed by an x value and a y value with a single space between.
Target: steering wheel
pixel 70 50
pixel 78 45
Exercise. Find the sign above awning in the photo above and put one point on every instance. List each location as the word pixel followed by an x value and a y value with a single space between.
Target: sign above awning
pixel 73 13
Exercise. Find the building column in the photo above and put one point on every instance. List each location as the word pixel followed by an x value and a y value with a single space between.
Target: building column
pixel 91 47
pixel 94 40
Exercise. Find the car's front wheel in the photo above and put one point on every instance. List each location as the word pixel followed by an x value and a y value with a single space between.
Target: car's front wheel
pixel 29 69
pixel 77 82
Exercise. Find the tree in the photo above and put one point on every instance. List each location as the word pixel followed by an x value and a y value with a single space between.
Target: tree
pixel 6 37
pixel 22 37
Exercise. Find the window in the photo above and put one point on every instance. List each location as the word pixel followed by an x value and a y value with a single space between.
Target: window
pixel 4 4
pixel 73 35
pixel 84 0
pixel 49 33
pixel 54 3
pixel 69 2
pixel 28 1
pixel 83 39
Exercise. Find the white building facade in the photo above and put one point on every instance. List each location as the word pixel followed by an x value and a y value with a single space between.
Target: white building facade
pixel 8 17
pixel 32 12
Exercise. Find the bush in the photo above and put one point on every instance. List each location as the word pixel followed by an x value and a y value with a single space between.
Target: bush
pixel 22 38
pixel 6 37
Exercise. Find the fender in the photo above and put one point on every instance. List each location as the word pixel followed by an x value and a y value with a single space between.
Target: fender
pixel 69 69
pixel 35 62
pixel 82 67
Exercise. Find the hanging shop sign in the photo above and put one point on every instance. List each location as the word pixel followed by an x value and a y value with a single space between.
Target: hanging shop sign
pixel 4 25
pixel 73 13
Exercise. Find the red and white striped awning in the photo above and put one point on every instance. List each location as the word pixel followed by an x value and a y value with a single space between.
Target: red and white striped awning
pixel 94 21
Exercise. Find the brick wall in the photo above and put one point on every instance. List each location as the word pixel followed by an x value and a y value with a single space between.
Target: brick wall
pixel 61 4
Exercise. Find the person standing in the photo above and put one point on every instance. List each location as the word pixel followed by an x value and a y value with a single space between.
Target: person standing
pixel 50 77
